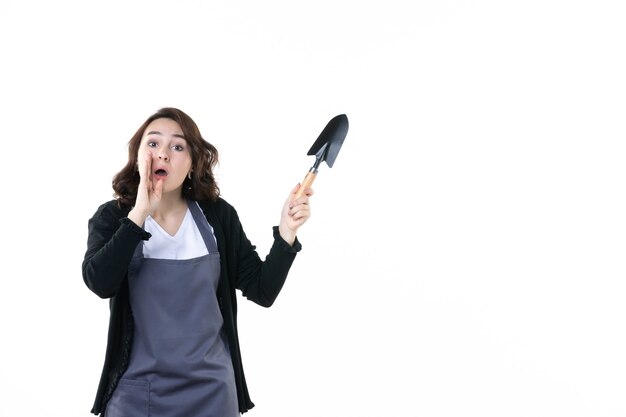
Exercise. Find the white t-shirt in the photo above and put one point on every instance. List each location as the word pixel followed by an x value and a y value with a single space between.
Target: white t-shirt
pixel 187 243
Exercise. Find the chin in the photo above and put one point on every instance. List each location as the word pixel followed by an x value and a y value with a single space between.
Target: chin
pixel 170 190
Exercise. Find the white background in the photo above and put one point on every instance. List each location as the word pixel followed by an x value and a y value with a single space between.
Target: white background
pixel 465 256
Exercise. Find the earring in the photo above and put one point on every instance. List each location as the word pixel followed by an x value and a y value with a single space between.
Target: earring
pixel 189 175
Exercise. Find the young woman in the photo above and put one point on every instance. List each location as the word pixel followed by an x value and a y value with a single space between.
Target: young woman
pixel 169 252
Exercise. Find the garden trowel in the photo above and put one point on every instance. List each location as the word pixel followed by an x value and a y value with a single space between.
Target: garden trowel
pixel 326 148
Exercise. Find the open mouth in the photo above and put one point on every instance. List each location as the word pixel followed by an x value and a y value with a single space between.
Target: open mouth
pixel 160 172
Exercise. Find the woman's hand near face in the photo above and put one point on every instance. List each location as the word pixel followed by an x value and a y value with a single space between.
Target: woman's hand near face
pixel 294 214
pixel 148 193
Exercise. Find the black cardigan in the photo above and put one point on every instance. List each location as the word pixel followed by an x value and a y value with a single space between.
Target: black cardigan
pixel 111 242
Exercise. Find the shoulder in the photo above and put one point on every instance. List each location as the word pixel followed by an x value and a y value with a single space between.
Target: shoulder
pixel 110 210
pixel 222 214
pixel 219 207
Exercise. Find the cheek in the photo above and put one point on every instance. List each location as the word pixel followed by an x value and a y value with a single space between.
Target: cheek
pixel 182 163
pixel 185 159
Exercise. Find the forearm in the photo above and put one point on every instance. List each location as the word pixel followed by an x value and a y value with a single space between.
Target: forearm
pixel 106 262
pixel 138 216
pixel 288 235
pixel 266 279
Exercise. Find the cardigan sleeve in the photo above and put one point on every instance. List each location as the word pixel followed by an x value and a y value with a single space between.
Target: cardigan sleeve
pixel 262 280
pixel 111 242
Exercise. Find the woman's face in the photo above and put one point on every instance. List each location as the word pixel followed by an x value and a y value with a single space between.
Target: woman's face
pixel 170 157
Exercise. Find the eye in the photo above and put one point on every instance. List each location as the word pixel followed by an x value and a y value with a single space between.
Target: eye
pixel 151 144
pixel 178 148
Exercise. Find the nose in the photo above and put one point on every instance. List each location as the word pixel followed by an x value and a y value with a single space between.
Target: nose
pixel 163 156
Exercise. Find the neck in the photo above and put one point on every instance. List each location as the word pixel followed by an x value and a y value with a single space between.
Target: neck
pixel 170 203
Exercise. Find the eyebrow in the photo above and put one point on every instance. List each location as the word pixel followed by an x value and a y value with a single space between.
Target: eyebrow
pixel 156 132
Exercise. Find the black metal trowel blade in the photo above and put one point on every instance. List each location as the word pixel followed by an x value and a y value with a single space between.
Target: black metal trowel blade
pixel 333 136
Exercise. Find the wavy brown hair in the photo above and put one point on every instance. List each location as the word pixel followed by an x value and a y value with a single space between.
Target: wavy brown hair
pixel 204 158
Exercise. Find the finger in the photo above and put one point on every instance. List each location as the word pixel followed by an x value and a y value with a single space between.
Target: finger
pixel 299 212
pixel 142 162
pixel 299 221
pixel 158 188
pixel 148 167
pixel 302 200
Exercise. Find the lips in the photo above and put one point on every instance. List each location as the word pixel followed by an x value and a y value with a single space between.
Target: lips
pixel 160 172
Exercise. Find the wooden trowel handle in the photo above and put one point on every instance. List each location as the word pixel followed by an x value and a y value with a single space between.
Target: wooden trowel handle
pixel 308 181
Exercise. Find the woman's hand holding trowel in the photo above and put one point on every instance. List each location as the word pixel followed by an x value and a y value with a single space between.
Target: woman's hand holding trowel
pixel 296 211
